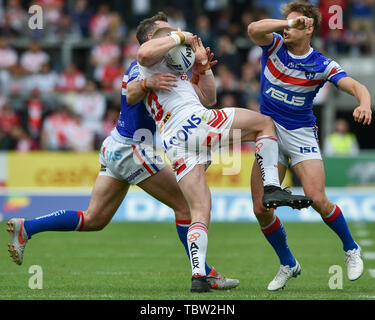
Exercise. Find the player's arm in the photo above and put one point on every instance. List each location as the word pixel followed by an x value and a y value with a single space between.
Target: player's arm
pixel 136 90
pixel 261 31
pixel 362 113
pixel 152 51
pixel 203 79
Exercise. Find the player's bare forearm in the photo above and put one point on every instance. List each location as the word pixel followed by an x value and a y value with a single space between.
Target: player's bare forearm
pixel 363 112
pixel 152 51
pixel 261 31
pixel 136 90
pixel 206 90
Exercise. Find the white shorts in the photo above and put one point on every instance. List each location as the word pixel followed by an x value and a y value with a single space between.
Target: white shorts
pixel 191 141
pixel 297 145
pixel 129 161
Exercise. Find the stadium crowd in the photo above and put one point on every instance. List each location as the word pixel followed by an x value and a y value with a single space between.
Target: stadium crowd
pixel 50 104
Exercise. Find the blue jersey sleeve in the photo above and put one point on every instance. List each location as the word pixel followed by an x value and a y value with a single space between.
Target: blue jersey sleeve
pixel 133 72
pixel 336 72
pixel 275 37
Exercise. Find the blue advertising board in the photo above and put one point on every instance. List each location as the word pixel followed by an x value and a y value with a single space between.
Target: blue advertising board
pixel 227 206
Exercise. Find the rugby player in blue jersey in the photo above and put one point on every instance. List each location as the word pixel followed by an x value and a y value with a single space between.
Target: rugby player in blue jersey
pixel 124 161
pixel 292 74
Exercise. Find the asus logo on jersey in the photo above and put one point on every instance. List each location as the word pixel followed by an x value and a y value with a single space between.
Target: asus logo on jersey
pixel 282 96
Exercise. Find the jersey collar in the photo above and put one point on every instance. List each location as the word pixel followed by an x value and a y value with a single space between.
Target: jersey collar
pixel 301 57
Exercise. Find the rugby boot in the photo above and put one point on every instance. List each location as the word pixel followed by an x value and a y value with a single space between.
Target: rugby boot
pixel 217 281
pixel 17 239
pixel 199 284
pixel 276 197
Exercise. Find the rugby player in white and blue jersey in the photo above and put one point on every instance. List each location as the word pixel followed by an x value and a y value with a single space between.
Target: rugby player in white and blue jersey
pixel 292 74
pixel 125 161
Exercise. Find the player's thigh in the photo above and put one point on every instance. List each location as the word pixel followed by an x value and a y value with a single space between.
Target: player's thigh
pixel 257 188
pixel 164 187
pixel 250 124
pixel 106 197
pixel 312 176
pixel 197 193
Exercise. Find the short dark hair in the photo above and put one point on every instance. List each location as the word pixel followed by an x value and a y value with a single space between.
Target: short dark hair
pixel 148 26
pixel 307 9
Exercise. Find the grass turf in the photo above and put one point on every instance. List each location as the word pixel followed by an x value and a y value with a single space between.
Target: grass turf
pixel 147 261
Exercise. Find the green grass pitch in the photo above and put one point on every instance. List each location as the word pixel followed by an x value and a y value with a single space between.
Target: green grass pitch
pixel 147 261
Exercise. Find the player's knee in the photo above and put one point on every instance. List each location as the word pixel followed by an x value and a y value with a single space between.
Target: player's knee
pixel 259 210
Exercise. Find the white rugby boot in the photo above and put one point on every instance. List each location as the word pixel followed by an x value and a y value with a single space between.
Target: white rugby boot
pixel 17 239
pixel 282 277
pixel 354 263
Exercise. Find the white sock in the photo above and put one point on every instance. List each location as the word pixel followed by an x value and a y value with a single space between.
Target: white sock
pixel 197 240
pixel 267 155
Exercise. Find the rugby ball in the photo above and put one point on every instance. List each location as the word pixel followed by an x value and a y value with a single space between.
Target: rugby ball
pixel 180 58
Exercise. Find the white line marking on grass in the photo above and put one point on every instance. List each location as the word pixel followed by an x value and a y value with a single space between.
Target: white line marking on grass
pixel 372 272
pixel 369 255
pixel 362 233
pixel 366 242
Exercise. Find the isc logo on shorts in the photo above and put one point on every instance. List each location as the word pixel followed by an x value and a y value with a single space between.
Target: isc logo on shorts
pixel 183 134
pixel 308 149
pixel 109 155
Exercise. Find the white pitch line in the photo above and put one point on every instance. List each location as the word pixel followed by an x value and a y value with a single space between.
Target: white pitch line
pixel 366 242
pixel 369 255
pixel 362 233
pixel 372 272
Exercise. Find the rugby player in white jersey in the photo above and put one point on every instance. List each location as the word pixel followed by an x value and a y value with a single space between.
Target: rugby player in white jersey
pixel 292 74
pixel 189 132
pixel 120 169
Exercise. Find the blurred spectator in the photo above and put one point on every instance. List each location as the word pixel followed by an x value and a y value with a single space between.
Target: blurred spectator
pixel 204 31
pixel 81 16
pixel 8 56
pixel 91 105
pixel 176 18
pixel 111 76
pixel 8 119
pixel 103 53
pixel 45 81
pixel 225 79
pixel 71 79
pixel 100 22
pixel 67 31
pixel 52 10
pixel 23 141
pixel 249 84
pixel 341 141
pixel 117 28
pixel 16 82
pixel 362 16
pixel 140 9
pixel 33 59
pixel 55 130
pixel 357 40
pixel 15 19
pixel 130 49
pixel 109 122
pixel 34 107
pixel 226 53
pixel 80 137
pixel 6 141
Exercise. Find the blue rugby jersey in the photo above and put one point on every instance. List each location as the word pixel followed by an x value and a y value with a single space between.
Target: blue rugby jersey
pixel 133 117
pixel 289 83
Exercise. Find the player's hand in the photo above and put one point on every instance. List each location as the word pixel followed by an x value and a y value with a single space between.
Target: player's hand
pixel 210 56
pixel 362 115
pixel 302 22
pixel 199 50
pixel 188 36
pixel 161 81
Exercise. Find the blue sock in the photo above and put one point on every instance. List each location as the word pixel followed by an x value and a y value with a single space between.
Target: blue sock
pixel 336 221
pixel 62 220
pixel 182 230
pixel 276 236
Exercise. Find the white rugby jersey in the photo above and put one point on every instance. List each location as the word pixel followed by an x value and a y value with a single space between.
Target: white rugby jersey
pixel 176 106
